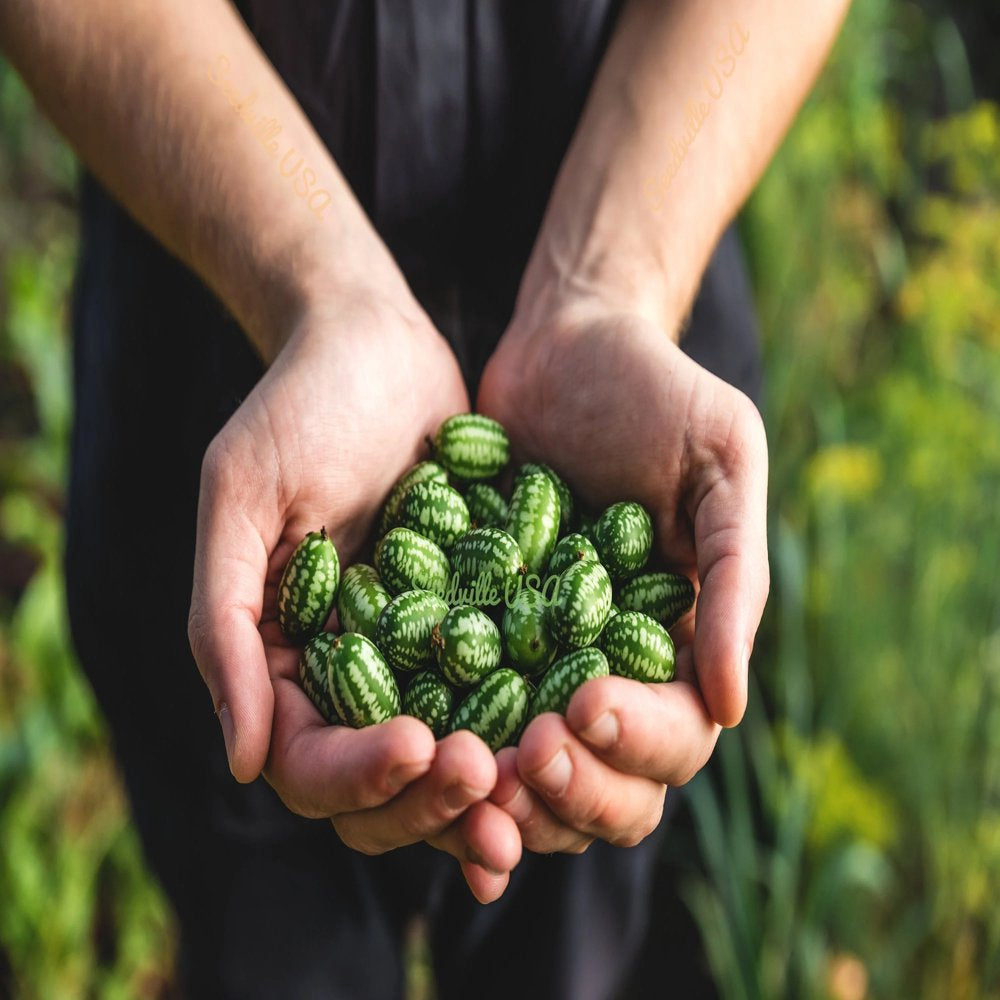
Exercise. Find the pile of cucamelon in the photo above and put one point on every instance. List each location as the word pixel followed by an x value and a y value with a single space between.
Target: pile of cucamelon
pixel 483 612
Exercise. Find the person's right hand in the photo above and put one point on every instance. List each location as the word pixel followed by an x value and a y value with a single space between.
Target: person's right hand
pixel 339 415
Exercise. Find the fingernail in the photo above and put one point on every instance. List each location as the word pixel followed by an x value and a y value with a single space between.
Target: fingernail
pixel 475 859
pixel 228 732
pixel 555 775
pixel 518 806
pixel 400 776
pixel 602 732
pixel 459 796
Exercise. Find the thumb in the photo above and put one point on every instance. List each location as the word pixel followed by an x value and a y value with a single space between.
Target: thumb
pixel 230 567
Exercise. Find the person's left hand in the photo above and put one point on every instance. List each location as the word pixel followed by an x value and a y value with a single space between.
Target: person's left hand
pixel 612 404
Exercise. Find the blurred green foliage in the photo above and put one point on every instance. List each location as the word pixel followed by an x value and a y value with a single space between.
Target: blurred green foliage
pixel 79 914
pixel 851 839
pixel 850 835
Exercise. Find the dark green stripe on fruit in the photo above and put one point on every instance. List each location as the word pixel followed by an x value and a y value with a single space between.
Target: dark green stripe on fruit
pixel 406 560
pixel 566 505
pixel 667 597
pixel 639 647
pixel 563 678
pixel 487 507
pixel 429 698
pixel 623 537
pixel 571 549
pixel 436 511
pixel 308 587
pixel 422 472
pixel 467 645
pixel 472 446
pixel 529 643
pixel 404 629
pixel 312 673
pixel 581 605
pixel 361 599
pixel 488 561
pixel 495 709
pixel 360 683
pixel 533 521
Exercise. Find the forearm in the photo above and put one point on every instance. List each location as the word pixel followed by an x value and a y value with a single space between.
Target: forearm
pixel 174 107
pixel 690 102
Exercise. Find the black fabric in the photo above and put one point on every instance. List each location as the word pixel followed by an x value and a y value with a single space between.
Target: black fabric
pixel 449 120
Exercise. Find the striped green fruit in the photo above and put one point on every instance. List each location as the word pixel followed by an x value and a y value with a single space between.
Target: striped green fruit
pixel 570 549
pixel 623 537
pixel 530 645
pixel 428 698
pixel 533 521
pixel 639 647
pixel 436 511
pixel 566 504
pixel 585 524
pixel 467 645
pixel 406 560
pixel 471 446
pixel 487 507
pixel 359 682
pixel 404 629
pixel 308 587
pixel 422 472
pixel 361 599
pixel 495 709
pixel 563 678
pixel 581 605
pixel 312 673
pixel 487 562
pixel 667 597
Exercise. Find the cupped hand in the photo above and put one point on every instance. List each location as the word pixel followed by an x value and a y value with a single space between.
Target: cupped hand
pixel 338 416
pixel 620 412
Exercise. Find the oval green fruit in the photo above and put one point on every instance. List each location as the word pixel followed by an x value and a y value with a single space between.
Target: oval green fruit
pixel 436 511
pixel 467 645
pixel 406 560
pixel 472 446
pixel 530 645
pixel 495 709
pixel 422 472
pixel 487 563
pixel 563 678
pixel 639 647
pixel 571 548
pixel 429 698
pixel 308 587
pixel 404 629
pixel 360 683
pixel 312 673
pixel 533 521
pixel 487 507
pixel 566 505
pixel 623 537
pixel 581 605
pixel 667 597
pixel 361 599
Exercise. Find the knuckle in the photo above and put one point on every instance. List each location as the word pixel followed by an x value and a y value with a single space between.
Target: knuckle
pixel 355 840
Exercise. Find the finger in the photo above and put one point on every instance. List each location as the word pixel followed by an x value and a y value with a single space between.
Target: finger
pixel 730 528
pixel 486 886
pixel 540 829
pixel 659 731
pixel 320 770
pixel 584 792
pixel 229 572
pixel 463 772
pixel 484 836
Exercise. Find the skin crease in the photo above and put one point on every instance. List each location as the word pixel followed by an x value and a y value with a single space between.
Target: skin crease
pixel 330 427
